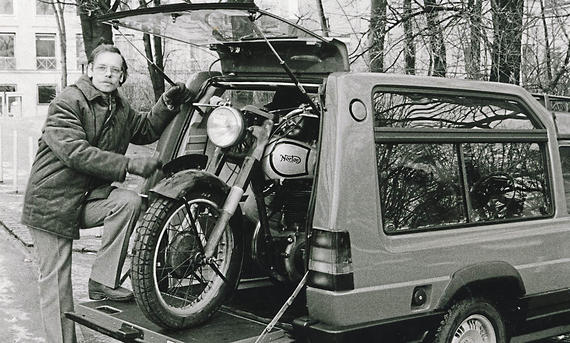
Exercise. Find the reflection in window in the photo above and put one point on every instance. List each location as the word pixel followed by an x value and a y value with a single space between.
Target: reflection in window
pixel 46 93
pixel 7 59
pixel 45 51
pixel 6 7
pixel 419 186
pixel 505 181
pixel 448 111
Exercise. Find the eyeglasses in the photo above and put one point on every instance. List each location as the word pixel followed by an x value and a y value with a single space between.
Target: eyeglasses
pixel 101 68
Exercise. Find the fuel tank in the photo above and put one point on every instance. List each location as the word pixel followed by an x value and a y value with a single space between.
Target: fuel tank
pixel 289 159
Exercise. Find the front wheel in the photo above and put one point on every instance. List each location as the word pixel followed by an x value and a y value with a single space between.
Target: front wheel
pixel 472 320
pixel 172 284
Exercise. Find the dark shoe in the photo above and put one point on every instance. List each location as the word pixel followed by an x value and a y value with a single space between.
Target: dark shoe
pixel 99 291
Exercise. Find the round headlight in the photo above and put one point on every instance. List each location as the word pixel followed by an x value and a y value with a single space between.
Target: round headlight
pixel 225 126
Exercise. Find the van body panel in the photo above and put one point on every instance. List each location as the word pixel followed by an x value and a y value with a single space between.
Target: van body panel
pixel 387 267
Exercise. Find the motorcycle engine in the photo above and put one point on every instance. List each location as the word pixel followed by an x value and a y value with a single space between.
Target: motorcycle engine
pixel 287 204
pixel 289 167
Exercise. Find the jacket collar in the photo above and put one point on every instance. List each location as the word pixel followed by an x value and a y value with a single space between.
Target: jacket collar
pixel 91 93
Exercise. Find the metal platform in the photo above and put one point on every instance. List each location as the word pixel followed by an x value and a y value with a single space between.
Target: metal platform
pixel 242 320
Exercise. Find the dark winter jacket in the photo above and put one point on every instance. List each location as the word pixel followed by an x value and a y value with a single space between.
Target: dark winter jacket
pixel 82 147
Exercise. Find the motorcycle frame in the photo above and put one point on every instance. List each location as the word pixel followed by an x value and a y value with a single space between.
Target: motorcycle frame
pixel 250 170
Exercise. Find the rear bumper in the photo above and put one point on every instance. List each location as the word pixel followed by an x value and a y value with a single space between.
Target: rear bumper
pixel 405 329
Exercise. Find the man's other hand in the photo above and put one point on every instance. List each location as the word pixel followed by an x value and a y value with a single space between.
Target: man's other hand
pixel 143 166
pixel 177 95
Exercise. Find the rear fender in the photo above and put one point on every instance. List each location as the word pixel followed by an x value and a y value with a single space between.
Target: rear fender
pixel 471 279
pixel 176 186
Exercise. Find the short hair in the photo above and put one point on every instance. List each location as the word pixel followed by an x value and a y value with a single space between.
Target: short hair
pixel 109 48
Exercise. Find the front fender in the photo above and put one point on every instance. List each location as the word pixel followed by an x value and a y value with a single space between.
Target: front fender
pixel 176 186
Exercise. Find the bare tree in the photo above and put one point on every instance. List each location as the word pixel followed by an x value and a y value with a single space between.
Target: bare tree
pixel 473 55
pixel 437 43
pixel 410 47
pixel 153 51
pixel 323 18
pixel 377 35
pixel 58 8
pixel 554 71
pixel 507 38
pixel 93 31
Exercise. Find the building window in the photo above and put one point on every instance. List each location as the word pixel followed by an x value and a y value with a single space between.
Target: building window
pixel 6 7
pixel 3 90
pixel 457 160
pixel 7 88
pixel 81 59
pixel 45 51
pixel 43 7
pixel 7 59
pixel 46 93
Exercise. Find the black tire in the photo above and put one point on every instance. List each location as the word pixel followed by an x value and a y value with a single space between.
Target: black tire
pixel 169 288
pixel 472 320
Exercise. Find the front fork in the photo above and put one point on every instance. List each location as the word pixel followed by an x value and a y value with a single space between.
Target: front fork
pixel 241 182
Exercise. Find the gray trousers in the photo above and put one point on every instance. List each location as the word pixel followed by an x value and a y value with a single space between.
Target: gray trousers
pixel 118 214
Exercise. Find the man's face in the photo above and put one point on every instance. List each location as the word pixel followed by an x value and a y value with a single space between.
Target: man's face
pixel 106 71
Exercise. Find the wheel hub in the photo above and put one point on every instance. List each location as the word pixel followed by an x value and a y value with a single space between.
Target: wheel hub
pixel 475 329
pixel 183 254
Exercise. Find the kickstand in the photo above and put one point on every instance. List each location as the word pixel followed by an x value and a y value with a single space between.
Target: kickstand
pixel 125 276
pixel 282 310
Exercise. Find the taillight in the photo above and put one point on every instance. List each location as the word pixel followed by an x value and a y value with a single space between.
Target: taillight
pixel 330 261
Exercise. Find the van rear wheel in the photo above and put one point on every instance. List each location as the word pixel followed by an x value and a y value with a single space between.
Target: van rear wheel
pixel 473 320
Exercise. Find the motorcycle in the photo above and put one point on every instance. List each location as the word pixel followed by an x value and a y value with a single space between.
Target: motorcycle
pixel 189 248
pixel 237 202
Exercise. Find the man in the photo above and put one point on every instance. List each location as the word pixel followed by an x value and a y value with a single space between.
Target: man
pixel 81 152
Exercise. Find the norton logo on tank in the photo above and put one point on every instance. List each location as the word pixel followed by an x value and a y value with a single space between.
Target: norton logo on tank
pixel 289 158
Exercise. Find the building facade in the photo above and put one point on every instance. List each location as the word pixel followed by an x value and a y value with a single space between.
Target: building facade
pixel 30 59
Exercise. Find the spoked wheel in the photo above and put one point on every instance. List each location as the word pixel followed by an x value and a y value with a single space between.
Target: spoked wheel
pixel 173 284
pixel 473 320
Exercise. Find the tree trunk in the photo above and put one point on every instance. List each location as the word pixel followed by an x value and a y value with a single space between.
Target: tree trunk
pixel 437 44
pixel 548 55
pixel 156 56
pixel 473 53
pixel 410 47
pixel 58 8
pixel 324 22
pixel 377 35
pixel 506 48
pixel 93 32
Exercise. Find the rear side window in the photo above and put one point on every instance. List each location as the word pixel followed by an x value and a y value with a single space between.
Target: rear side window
pixel 416 110
pixel 457 160
pixel 565 161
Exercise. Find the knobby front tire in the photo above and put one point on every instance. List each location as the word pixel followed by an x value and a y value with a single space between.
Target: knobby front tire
pixel 171 287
